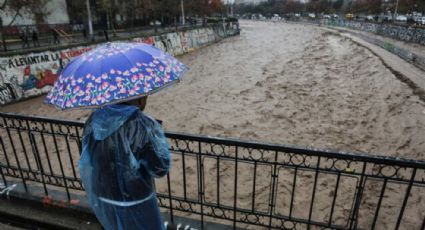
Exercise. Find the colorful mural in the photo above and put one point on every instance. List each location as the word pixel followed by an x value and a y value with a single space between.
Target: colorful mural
pixel 147 40
pixel 33 74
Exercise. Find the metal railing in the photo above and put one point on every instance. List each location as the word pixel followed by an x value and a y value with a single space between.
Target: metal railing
pixel 67 37
pixel 242 184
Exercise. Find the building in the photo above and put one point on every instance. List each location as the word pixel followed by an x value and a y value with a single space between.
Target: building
pixel 56 13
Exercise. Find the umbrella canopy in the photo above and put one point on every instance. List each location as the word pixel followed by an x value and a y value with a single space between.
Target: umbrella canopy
pixel 113 73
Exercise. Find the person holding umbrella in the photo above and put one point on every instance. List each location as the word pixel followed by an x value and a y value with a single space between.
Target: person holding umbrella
pixel 123 148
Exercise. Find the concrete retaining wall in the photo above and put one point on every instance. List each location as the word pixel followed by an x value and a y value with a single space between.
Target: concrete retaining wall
pixel 415 59
pixel 407 55
pixel 403 33
pixel 33 74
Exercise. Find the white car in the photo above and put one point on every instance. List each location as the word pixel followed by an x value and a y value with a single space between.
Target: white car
pixel 370 18
pixel 401 18
pixel 155 23
pixel 422 21
pixel 276 17
pixel 311 15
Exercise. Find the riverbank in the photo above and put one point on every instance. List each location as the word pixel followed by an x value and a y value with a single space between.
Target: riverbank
pixel 32 74
pixel 292 84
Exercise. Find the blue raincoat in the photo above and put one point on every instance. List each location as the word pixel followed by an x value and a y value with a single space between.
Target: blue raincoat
pixel 123 151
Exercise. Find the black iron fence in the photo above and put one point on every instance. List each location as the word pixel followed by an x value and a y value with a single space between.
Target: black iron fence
pixel 21 37
pixel 241 184
pixel 18 38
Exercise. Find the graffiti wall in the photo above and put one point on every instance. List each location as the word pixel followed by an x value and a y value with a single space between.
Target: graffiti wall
pixel 407 55
pixel 33 74
pixel 403 33
pixel 28 75
pixel 23 76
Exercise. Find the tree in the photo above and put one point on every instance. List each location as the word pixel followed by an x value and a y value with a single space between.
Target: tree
pixel 337 5
pixel 77 11
pixel 315 6
pixel 216 6
pixel 17 8
pixel 408 6
pixel 367 6
pixel 203 7
pixel 292 6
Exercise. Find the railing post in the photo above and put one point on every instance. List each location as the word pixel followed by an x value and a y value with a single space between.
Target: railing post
pixel 378 206
pixel 314 193
pixel 200 182
pixel 170 198
pixel 357 201
pixel 16 155
pixel 38 160
pixel 5 154
pixel 334 199
pixel 406 197
pixel 60 161
pixel 272 200
pixel 3 176
pixel 235 196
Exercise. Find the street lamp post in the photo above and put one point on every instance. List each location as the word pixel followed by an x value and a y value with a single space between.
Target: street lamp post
pixel 395 12
pixel 3 40
pixel 89 19
pixel 181 3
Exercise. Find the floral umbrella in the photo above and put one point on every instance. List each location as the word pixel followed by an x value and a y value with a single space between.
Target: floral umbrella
pixel 113 73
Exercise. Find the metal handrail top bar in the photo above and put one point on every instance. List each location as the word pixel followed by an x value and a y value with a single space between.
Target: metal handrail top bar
pixel 354 156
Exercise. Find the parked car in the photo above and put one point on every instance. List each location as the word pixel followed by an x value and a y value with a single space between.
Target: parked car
pixel 311 15
pixel 276 17
pixel 417 17
pixel 385 18
pixel 349 16
pixel 326 16
pixel 422 21
pixel 401 18
pixel 370 18
pixel 155 23
pixel 360 17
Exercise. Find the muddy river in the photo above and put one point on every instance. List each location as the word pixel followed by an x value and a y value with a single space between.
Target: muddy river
pixel 289 84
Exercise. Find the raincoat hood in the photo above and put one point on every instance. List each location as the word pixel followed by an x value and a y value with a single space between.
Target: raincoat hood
pixel 109 119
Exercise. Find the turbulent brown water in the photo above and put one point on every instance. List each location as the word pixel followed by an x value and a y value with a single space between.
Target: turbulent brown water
pixel 289 84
